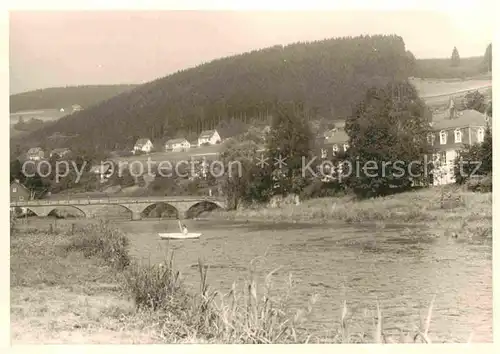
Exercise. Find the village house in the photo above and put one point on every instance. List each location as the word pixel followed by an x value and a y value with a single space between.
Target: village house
pixel 211 137
pixel 449 136
pixel 60 152
pixel 335 144
pixel 180 144
pixel 332 144
pixel 144 145
pixel 18 192
pixel 35 154
pixel 103 170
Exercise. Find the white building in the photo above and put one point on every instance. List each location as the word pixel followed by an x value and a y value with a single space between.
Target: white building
pixel 180 144
pixel 144 145
pixel 449 136
pixel 211 137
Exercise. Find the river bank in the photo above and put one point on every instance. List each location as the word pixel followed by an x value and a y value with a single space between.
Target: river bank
pixel 447 211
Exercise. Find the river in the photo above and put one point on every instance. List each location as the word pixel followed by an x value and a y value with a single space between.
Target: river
pixel 401 268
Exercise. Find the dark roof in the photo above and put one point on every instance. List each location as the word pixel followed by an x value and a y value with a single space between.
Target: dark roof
pixel 175 141
pixel 59 150
pixel 339 137
pixel 100 168
pixel 468 117
pixel 142 141
pixel 207 133
pixel 16 182
pixel 35 150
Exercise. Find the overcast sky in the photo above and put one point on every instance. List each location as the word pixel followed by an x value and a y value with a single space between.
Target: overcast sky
pixel 58 49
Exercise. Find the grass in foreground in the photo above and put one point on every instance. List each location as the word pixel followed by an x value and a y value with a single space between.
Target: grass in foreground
pixel 71 289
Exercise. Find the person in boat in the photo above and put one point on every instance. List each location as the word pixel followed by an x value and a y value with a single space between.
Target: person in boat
pixel 183 228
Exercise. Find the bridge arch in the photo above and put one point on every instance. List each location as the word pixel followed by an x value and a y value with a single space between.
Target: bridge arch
pixel 50 210
pixel 63 208
pixel 205 205
pixel 160 209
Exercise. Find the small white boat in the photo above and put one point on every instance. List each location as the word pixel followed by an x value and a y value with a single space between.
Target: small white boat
pixel 179 235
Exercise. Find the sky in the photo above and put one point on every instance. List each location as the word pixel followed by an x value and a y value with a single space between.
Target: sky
pixel 51 49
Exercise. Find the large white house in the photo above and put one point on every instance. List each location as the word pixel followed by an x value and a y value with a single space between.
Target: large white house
pixel 180 144
pixel 450 135
pixel 144 145
pixel 211 137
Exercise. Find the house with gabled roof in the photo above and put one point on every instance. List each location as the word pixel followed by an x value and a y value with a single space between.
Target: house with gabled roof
pixel 35 154
pixel 104 171
pixel 450 135
pixel 335 144
pixel 179 144
pixel 18 192
pixel 211 137
pixel 143 145
pixel 60 152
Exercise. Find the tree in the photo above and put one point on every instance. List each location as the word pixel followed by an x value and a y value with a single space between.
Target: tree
pixel 388 141
pixel 487 60
pixel 238 181
pixel 289 144
pixel 475 160
pixel 455 57
pixel 475 100
pixel 16 171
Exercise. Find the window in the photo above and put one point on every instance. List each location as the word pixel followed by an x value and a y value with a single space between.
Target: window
pixel 21 198
pixel 346 146
pixel 430 139
pixel 442 157
pixel 323 153
pixel 14 190
pixel 335 149
pixel 480 135
pixel 442 137
pixel 458 135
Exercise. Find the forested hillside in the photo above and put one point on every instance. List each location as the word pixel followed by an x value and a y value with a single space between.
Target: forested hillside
pixel 62 97
pixel 328 77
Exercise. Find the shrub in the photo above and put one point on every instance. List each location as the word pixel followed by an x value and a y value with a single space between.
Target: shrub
pixel 12 222
pixel 102 241
pixel 155 286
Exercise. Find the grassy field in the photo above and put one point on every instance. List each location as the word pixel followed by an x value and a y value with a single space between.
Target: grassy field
pixel 80 286
pixel 440 68
pixel 428 88
pixel 449 210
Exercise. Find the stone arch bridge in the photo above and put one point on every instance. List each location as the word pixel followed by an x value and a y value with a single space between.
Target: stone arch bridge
pixel 90 206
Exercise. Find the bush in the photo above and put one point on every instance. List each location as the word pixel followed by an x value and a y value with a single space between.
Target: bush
pixel 155 286
pixel 320 189
pixel 482 184
pixel 12 222
pixel 101 241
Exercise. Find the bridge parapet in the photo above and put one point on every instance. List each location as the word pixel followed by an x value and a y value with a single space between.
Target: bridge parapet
pixel 124 200
pixel 135 205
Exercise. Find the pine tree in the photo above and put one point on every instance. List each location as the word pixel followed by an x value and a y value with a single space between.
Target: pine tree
pixel 455 57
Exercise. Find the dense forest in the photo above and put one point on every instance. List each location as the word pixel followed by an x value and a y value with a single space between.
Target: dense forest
pixel 327 77
pixel 59 97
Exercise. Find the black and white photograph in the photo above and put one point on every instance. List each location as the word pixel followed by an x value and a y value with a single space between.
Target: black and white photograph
pixel 251 176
